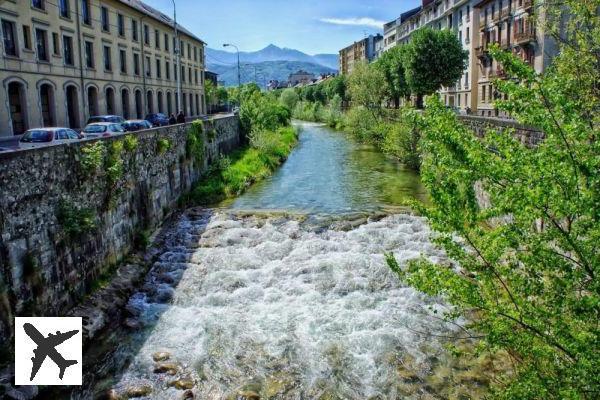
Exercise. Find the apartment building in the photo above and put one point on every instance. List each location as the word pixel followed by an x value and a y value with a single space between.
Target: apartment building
pixel 65 60
pixel 363 50
pixel 514 25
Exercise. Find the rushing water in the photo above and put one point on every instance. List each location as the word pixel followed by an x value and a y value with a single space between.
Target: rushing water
pixel 295 302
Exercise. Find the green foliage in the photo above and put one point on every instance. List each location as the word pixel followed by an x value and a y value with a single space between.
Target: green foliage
pixel 260 112
pixel 366 86
pixel 391 64
pixel 92 157
pixel 114 163
pixel 141 240
pixel 163 145
pixel 402 137
pixel 432 59
pixel 194 146
pixel 529 263
pixel 130 143
pixel 75 221
pixel 289 98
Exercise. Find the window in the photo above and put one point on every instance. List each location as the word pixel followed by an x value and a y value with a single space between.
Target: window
pixel 86 13
pixel 166 42
pixel 27 37
pixel 104 19
pixel 9 38
pixel 38 4
pixel 168 71
pixel 189 51
pixel 55 44
pixel 182 74
pixel 146 35
pixel 157 38
pixel 68 50
pixel 123 61
pixel 107 59
pixel 63 8
pixel 89 54
pixel 195 53
pixel 148 67
pixel 190 75
pixel 175 45
pixel 136 64
pixel 158 73
pixel 175 70
pixel 121 24
pixel 41 43
pixel 182 49
pixel 196 76
pixel 134 30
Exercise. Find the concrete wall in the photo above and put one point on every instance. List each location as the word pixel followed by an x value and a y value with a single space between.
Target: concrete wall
pixel 43 270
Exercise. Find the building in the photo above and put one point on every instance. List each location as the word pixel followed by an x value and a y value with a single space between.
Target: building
pixel 363 50
pixel 512 25
pixel 300 77
pixel 65 60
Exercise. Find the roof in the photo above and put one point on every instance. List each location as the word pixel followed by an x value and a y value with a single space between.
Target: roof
pixel 406 15
pixel 158 16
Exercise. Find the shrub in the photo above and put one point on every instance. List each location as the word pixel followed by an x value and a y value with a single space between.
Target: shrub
pixel 130 143
pixel 92 157
pixel 163 145
pixel 194 146
pixel 75 221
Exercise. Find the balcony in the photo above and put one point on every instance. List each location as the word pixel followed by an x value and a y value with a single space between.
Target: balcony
pixel 505 13
pixel 481 51
pixel 497 73
pixel 525 37
pixel 527 4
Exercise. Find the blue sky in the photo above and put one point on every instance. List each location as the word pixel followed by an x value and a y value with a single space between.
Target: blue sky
pixel 311 26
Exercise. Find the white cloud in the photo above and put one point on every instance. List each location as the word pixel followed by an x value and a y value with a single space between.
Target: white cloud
pixel 364 21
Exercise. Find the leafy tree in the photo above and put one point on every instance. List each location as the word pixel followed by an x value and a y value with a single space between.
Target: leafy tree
pixel 210 91
pixel 528 262
pixel 289 98
pixel 366 86
pixel 391 64
pixel 432 59
pixel 336 86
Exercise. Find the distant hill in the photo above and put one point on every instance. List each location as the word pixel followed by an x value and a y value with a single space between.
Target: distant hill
pixel 270 53
pixel 266 71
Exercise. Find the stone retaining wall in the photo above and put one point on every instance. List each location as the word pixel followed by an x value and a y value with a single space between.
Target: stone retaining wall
pixel 527 135
pixel 45 268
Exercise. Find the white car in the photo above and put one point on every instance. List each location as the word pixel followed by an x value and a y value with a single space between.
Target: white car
pixel 47 136
pixel 102 129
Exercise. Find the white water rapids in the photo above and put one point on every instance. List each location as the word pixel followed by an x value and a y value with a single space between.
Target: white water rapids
pixel 285 308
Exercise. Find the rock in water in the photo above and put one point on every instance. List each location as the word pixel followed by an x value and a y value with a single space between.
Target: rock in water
pixel 182 384
pixel 161 356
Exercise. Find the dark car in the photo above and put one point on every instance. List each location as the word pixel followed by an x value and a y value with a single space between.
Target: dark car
pixel 135 125
pixel 157 119
pixel 106 118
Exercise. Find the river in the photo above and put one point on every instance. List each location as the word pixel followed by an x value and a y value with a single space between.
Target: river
pixel 283 293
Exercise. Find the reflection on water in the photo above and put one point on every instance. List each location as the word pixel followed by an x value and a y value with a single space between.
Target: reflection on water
pixel 329 172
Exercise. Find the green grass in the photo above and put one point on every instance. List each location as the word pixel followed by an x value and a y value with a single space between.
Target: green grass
pixel 233 175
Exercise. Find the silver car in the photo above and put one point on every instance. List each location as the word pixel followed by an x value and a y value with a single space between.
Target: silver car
pixel 47 136
pixel 103 129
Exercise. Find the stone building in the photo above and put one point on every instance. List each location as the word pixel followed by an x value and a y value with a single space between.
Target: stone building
pixel 300 77
pixel 65 60
pixel 363 50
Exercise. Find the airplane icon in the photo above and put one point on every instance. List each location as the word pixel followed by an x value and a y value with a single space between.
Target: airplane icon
pixel 47 348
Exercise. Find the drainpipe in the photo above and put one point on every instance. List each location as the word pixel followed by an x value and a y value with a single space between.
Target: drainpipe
pixel 81 77
pixel 145 94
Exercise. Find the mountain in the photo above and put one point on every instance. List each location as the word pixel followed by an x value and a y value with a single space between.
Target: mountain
pixel 266 71
pixel 269 53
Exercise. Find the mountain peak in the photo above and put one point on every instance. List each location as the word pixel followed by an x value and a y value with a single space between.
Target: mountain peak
pixel 272 47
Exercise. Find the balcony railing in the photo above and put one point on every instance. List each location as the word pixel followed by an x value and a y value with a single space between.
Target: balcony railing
pixel 525 37
pixel 505 13
pixel 481 51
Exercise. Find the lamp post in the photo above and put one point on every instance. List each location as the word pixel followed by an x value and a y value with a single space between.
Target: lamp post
pixel 238 61
pixel 178 55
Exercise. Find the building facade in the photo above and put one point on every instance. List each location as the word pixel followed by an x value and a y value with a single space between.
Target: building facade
pixel 66 60
pixel 300 77
pixel 363 50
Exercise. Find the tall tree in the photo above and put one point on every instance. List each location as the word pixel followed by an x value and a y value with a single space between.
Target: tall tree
pixel 366 86
pixel 432 59
pixel 391 64
pixel 527 272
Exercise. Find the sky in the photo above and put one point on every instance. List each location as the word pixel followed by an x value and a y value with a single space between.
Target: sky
pixel 311 26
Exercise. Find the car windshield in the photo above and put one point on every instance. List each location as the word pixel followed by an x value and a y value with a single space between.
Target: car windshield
pixel 37 136
pixel 95 129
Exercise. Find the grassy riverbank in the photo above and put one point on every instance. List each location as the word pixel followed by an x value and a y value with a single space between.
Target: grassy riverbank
pixel 232 175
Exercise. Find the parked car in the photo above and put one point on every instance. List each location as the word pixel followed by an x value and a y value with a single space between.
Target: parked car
pixel 103 129
pixel 45 136
pixel 105 118
pixel 158 119
pixel 135 125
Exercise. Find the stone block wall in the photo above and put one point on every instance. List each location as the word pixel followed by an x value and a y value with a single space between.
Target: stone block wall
pixel 527 135
pixel 45 268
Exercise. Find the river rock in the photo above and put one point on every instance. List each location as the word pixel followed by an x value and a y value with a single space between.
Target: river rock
pixel 182 384
pixel 247 395
pixel 131 324
pixel 166 368
pixel 161 356
pixel 138 391
pixel 187 395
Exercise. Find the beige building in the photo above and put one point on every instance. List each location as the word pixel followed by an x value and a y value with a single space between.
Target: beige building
pixel 512 25
pixel 363 50
pixel 66 60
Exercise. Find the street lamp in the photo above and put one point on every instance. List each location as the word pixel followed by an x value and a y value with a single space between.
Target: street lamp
pixel 178 54
pixel 238 60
